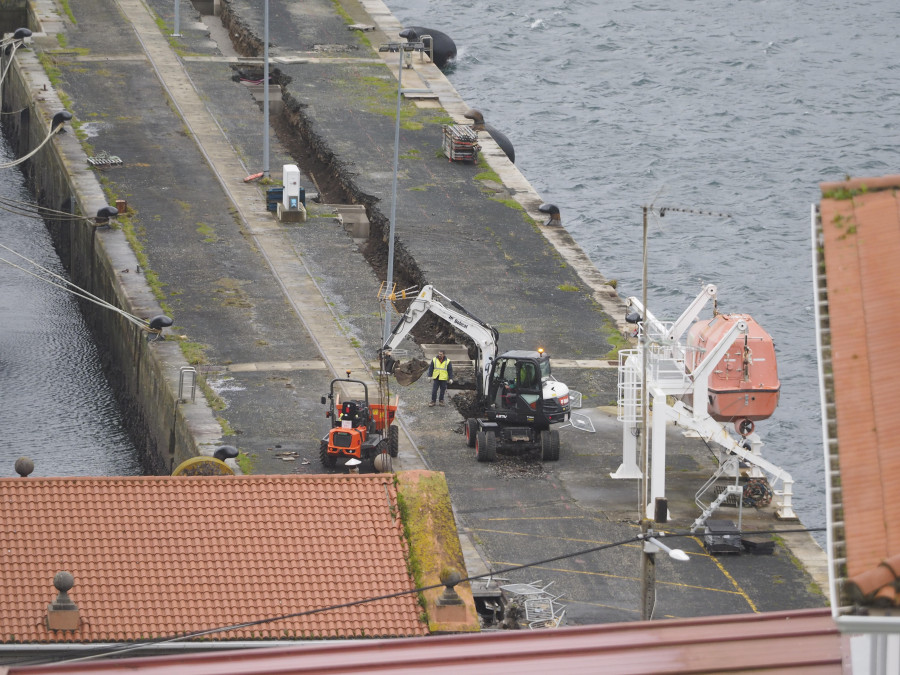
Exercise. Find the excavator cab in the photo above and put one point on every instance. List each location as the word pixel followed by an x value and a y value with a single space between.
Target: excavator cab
pixel 515 391
pixel 514 383
pixel 523 400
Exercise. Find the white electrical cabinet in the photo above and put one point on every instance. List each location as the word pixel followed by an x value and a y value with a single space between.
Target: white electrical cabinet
pixel 291 181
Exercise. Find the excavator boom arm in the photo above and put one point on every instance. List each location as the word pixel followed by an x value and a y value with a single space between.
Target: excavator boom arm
pixel 482 334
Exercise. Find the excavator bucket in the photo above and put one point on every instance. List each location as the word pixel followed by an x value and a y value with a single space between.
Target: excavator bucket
pixel 409 372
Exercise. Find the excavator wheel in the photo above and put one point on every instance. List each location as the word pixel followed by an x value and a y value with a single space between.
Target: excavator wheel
pixel 490 447
pixel 550 446
pixel 471 431
pixel 485 447
pixel 393 441
pixel 327 460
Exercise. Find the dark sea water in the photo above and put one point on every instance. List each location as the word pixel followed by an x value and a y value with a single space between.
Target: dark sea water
pixel 739 107
pixel 55 404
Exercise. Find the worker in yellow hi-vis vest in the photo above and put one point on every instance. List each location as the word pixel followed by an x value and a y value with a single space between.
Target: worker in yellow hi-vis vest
pixel 441 373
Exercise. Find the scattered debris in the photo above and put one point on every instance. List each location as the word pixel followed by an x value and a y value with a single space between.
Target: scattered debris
pixel 526 465
pixel 104 159
pixel 517 606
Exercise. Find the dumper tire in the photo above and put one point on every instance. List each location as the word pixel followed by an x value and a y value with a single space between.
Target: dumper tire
pixel 393 441
pixel 550 445
pixel 485 447
pixel 328 461
pixel 471 431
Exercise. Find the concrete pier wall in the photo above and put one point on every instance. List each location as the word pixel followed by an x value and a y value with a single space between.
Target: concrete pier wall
pixel 144 374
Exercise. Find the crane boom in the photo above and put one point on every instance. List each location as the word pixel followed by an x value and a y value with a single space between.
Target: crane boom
pixel 482 334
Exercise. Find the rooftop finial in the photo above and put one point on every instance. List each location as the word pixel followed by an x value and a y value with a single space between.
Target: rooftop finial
pixel 450 577
pixel 62 613
pixel 24 466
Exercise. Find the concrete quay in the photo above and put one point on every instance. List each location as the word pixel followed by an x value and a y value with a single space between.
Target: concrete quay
pixel 280 309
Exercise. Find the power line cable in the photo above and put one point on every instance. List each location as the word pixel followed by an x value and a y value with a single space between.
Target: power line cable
pixel 38 212
pixel 512 568
pixel 154 325
pixel 29 209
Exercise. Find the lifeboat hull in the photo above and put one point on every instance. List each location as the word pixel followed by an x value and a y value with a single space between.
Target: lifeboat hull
pixel 744 385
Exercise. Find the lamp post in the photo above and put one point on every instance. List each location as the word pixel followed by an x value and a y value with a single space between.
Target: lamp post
pixel 648 556
pixel 651 546
pixel 648 561
pixel 176 32
pixel 645 401
pixel 266 90
pixel 402 48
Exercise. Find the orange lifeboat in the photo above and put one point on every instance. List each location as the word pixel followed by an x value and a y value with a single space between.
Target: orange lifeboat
pixel 744 385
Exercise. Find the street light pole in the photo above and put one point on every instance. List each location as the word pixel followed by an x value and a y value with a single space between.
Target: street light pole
pixel 645 398
pixel 390 264
pixel 176 33
pixel 401 48
pixel 650 547
pixel 648 560
pixel 265 90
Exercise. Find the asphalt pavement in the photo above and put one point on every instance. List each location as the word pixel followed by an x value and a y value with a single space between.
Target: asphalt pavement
pixel 280 309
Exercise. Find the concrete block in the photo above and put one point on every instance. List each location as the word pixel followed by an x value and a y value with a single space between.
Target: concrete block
pixel 297 215
pixel 63 619
pixel 354 218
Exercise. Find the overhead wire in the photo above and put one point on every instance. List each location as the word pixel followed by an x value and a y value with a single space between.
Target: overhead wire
pixel 355 603
pixel 69 287
pixel 31 210
pixel 38 212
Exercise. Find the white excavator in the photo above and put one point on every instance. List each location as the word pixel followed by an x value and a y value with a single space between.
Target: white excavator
pixel 517 397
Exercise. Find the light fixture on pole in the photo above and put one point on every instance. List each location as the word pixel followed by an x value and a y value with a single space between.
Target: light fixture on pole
pixel 402 48
pixel 651 546
pixel 674 553
pixel 648 562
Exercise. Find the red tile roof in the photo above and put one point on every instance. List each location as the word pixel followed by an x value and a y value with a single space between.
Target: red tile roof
pixel 805 641
pixel 860 234
pixel 162 556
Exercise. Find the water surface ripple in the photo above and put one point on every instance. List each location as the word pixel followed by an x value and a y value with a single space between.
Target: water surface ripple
pixel 56 406
pixel 739 106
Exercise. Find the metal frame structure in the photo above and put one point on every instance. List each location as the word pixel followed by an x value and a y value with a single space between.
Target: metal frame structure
pixel 667 376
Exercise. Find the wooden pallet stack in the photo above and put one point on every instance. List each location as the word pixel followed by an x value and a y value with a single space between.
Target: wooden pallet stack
pixel 460 143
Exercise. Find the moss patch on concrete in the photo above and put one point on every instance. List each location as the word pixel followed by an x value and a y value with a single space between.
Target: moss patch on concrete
pixel 434 546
